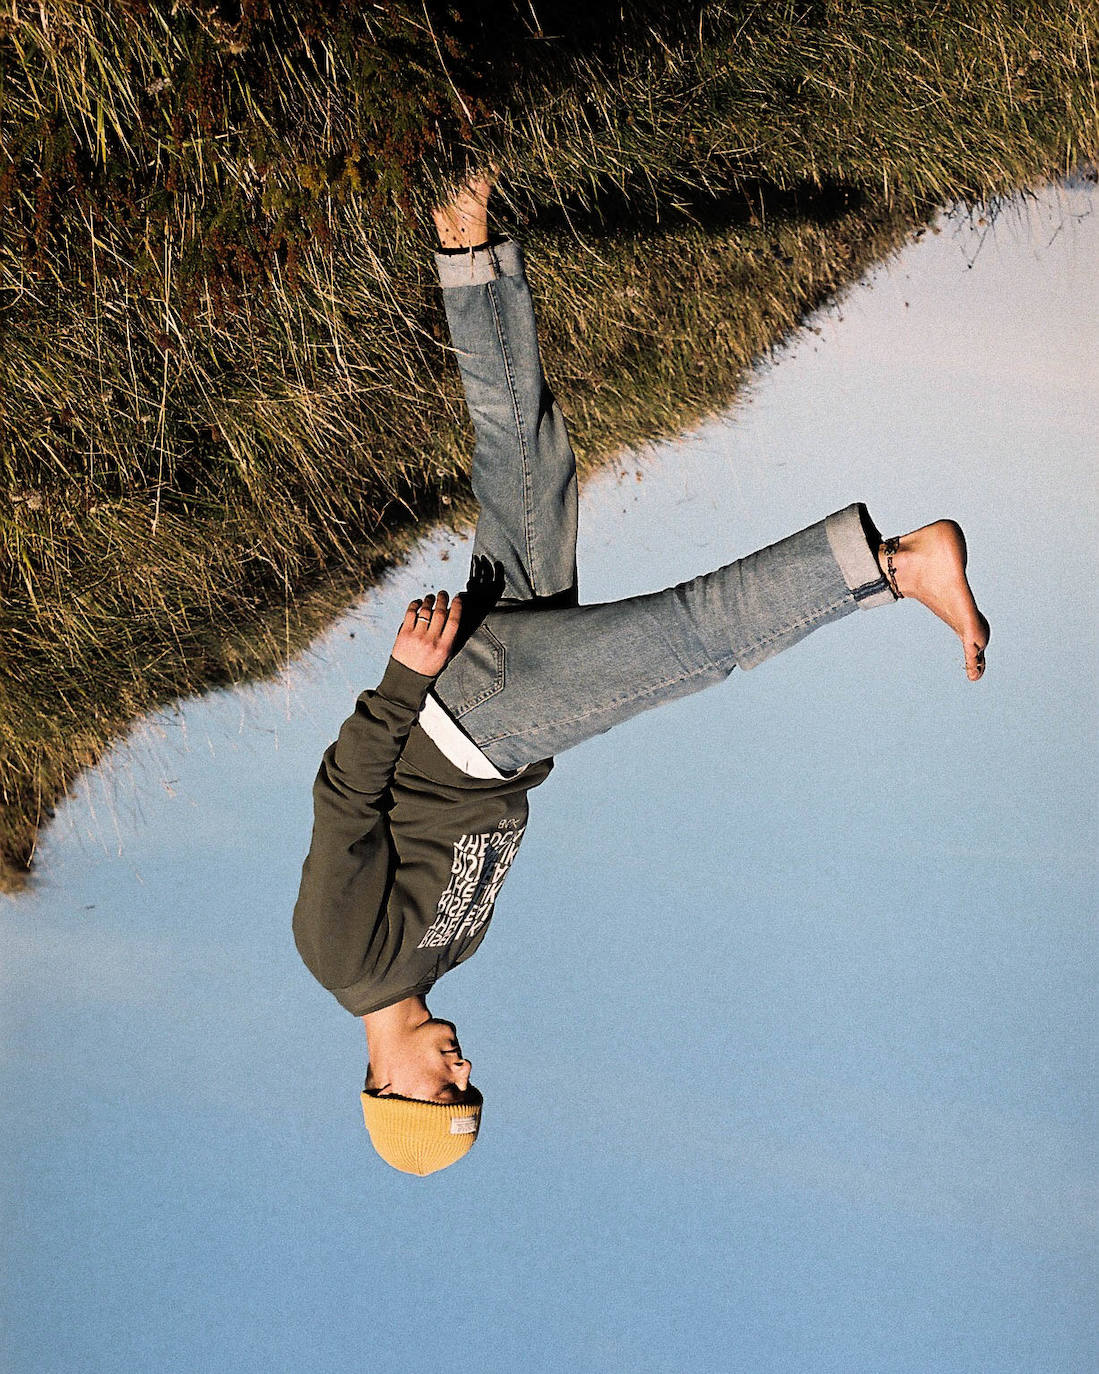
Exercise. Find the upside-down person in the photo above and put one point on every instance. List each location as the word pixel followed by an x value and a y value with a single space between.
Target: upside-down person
pixel 421 803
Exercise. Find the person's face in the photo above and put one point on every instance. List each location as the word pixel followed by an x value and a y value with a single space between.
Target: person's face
pixel 430 1067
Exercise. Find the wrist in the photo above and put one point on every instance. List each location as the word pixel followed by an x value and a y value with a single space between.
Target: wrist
pixel 405 685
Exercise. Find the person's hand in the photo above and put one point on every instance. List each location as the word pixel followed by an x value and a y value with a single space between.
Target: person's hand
pixel 426 639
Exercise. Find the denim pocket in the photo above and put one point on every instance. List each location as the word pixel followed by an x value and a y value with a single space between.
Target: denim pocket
pixel 475 675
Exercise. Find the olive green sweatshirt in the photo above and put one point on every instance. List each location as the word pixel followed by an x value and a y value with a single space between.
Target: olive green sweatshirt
pixel 408 852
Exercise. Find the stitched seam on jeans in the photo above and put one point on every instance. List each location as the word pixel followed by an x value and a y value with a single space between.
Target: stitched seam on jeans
pixel 656 621
pixel 871 589
pixel 617 701
pixel 810 619
pixel 509 370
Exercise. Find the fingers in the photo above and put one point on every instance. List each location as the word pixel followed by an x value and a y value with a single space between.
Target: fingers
pixel 425 641
pixel 422 609
pixel 434 613
pixel 450 629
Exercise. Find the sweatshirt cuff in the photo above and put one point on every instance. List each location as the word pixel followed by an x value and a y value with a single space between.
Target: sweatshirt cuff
pixel 404 686
pixel 481 265
pixel 849 540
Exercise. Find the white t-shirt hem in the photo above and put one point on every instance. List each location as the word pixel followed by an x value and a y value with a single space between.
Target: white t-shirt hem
pixel 452 741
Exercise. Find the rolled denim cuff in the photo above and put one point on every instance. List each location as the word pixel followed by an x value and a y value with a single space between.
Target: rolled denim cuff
pixel 481 265
pixel 849 541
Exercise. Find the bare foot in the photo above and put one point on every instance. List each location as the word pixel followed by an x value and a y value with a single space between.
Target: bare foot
pixel 929 567
pixel 463 221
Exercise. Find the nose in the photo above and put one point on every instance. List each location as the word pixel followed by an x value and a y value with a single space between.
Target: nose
pixel 462 1071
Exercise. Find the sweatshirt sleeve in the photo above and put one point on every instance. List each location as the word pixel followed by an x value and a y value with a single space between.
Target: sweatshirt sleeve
pixel 346 874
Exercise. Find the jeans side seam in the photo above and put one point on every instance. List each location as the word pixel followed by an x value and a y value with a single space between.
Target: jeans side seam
pixel 691 624
pixel 869 589
pixel 807 620
pixel 612 705
pixel 517 410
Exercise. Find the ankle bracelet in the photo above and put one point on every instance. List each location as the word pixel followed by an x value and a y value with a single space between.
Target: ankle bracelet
pixel 465 248
pixel 889 548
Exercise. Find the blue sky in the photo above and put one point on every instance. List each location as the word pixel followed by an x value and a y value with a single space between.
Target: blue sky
pixel 786 1020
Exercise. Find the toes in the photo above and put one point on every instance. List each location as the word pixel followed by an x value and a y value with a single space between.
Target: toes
pixel 974 660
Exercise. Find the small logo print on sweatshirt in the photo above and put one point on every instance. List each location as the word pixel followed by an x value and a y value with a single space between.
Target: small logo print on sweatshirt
pixel 477 872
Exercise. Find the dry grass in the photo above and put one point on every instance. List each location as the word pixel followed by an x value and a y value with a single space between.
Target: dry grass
pixel 224 395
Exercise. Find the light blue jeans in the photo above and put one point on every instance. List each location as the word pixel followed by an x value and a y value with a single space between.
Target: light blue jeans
pixel 541 672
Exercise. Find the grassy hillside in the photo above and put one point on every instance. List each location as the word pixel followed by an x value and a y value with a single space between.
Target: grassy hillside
pixel 224 397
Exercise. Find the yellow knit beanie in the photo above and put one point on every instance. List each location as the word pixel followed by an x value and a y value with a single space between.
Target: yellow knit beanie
pixel 421 1137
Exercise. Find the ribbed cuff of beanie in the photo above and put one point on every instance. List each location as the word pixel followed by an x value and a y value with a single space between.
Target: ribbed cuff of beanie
pixel 420 1137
